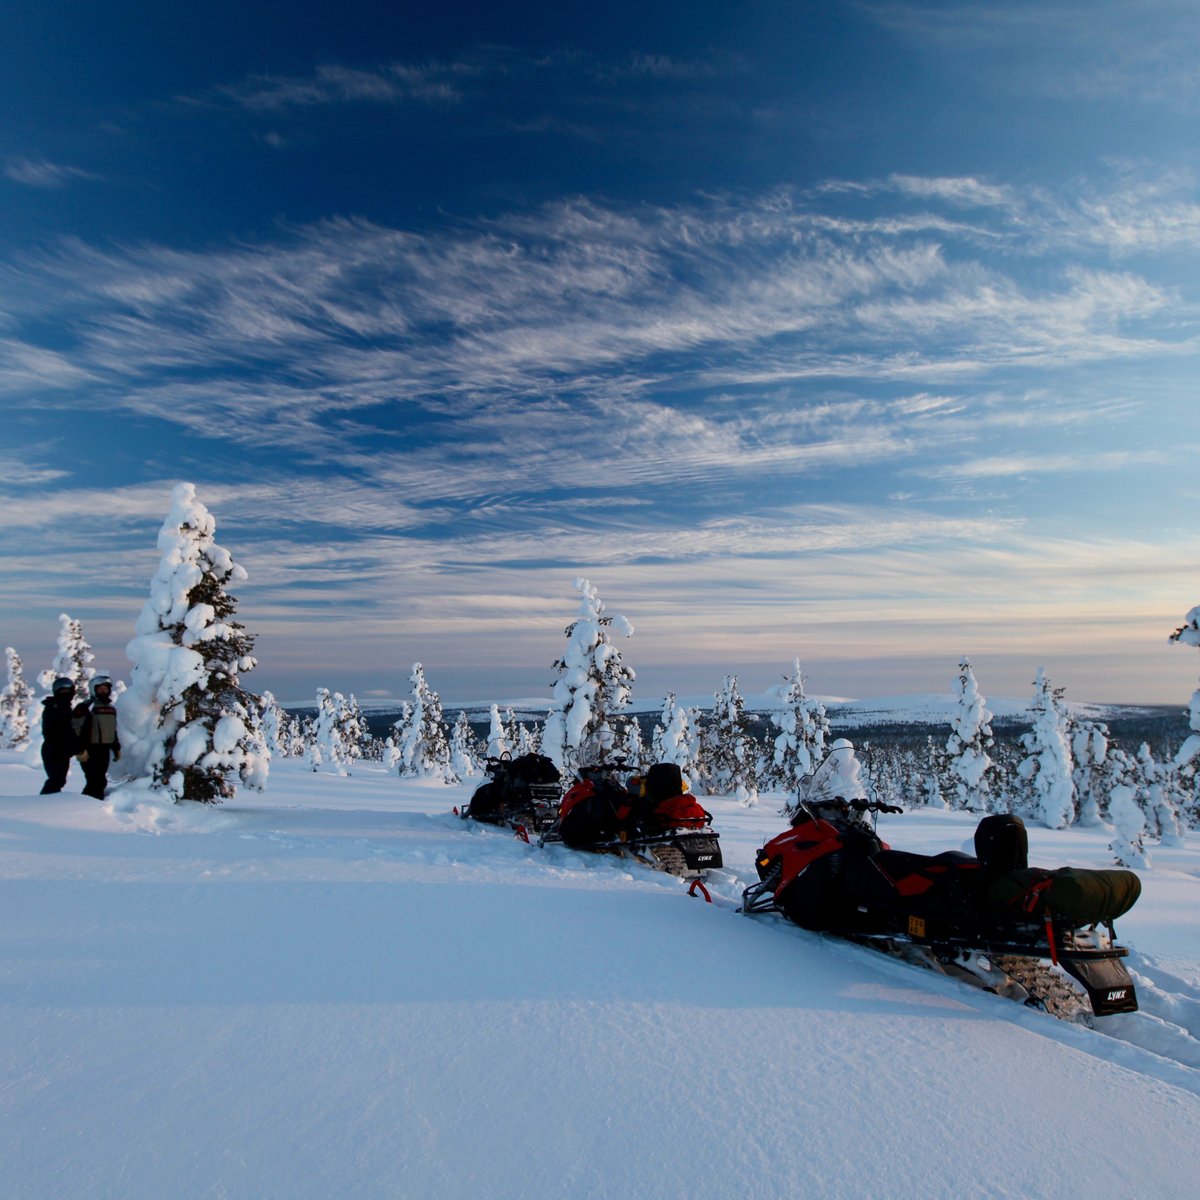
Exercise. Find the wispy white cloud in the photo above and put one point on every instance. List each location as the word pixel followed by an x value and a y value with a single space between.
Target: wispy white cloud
pixel 40 173
pixel 1091 49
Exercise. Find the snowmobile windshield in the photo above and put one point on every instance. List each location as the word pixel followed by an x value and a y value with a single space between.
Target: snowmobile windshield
pixel 837 778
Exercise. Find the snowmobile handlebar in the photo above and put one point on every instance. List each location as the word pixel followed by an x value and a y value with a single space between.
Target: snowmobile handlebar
pixel 875 806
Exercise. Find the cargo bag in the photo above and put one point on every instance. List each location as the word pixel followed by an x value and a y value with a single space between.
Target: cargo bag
pixel 1073 896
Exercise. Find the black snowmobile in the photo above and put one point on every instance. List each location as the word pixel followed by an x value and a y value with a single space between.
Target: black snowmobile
pixel 522 793
pixel 1023 932
pixel 650 818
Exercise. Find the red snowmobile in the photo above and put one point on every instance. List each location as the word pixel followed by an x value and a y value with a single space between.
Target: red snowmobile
pixel 652 818
pixel 990 919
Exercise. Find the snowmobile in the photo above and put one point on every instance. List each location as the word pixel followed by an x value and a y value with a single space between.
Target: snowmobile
pixel 988 919
pixel 650 818
pixel 522 793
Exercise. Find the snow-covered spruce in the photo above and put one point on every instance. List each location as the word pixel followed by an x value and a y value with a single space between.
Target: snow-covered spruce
pixel 498 744
pixel 327 747
pixel 1187 758
pixel 969 742
pixel 728 754
pixel 803 730
pixel 464 752
pixel 422 738
pixel 1089 747
pixel 274 724
pixel 673 740
pixel 16 701
pixel 74 657
pixel 184 718
pixel 592 690
pixel 1048 765
pixel 1160 803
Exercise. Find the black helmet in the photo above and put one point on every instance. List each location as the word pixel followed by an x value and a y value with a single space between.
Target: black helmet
pixel 99 681
pixel 63 684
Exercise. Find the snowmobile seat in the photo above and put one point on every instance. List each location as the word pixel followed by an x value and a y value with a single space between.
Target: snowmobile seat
pixel 663 781
pixel 1002 843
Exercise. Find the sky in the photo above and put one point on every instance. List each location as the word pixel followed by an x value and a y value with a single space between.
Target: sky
pixel 859 333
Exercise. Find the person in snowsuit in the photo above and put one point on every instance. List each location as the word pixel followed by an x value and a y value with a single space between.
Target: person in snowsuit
pixel 59 744
pixel 95 722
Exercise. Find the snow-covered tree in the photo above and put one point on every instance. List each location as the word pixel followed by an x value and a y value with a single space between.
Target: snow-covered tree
pixel 74 658
pixel 673 740
pixel 16 701
pixel 1047 766
pixel 463 748
pixel 273 721
pixel 633 751
pixel 391 755
pixel 423 740
pixel 803 729
pixel 592 689
pixel 1089 748
pixel 1129 828
pixel 498 744
pixel 935 778
pixel 527 741
pixel 328 746
pixel 728 752
pixel 356 737
pixel 969 743
pixel 1187 759
pixel 1160 805
pixel 184 717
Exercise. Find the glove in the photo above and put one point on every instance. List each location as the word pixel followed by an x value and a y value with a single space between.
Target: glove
pixel 82 756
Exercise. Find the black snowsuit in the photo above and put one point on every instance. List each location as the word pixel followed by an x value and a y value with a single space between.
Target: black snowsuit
pixel 95 723
pixel 58 742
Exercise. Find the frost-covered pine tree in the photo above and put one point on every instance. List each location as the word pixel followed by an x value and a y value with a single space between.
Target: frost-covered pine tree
pixel 16 701
pixel 803 729
pixel 1048 765
pixel 74 658
pixel 273 722
pixel 391 754
pixel 327 747
pixel 527 741
pixel 1089 748
pixel 935 777
pixel 592 689
pixel 969 743
pixel 1160 806
pixel 352 725
pixel 463 750
pixel 1125 811
pixel 673 740
pixel 424 742
pixel 729 754
pixel 1187 758
pixel 498 744
pixel 633 751
pixel 184 718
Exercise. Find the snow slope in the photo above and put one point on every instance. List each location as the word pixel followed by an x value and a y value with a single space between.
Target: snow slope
pixel 339 989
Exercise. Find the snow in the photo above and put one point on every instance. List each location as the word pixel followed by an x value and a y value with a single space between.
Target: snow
pixel 338 988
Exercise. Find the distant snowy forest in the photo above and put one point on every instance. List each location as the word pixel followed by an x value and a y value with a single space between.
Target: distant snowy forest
pixel 190 730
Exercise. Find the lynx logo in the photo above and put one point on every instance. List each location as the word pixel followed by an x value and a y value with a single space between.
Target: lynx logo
pixel 1117 995
pixel 704 858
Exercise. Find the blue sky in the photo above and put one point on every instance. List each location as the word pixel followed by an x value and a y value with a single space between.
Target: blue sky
pixel 863 333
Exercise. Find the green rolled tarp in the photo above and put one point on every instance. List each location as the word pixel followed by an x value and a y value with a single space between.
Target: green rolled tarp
pixel 1073 895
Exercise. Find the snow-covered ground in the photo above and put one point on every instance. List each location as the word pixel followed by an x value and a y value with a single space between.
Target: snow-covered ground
pixel 339 989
